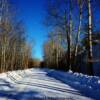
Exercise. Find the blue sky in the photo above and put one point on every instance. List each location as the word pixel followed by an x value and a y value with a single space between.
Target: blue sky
pixel 32 13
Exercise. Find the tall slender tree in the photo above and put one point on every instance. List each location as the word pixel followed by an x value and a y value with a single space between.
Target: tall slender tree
pixel 90 52
pixel 79 27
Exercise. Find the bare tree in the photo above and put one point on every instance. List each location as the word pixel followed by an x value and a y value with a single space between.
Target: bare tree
pixel 79 28
pixel 14 51
pixel 90 53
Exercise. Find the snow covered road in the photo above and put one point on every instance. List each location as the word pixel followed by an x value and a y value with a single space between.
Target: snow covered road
pixel 44 84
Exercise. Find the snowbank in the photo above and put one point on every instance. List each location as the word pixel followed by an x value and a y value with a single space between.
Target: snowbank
pixel 88 85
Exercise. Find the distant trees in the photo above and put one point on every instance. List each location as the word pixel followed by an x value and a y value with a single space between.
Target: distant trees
pixel 14 51
pixel 62 20
pixel 35 63
pixel 53 53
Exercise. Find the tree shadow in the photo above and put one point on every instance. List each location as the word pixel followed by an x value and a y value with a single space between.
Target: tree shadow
pixel 5 83
pixel 12 93
pixel 27 95
pixel 46 86
pixel 8 91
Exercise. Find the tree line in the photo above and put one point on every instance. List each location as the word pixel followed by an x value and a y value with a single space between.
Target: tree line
pixel 15 52
pixel 73 34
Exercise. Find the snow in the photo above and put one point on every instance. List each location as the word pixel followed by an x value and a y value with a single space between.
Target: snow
pixel 46 84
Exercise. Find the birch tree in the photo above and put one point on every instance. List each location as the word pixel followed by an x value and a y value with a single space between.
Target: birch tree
pixel 79 27
pixel 90 53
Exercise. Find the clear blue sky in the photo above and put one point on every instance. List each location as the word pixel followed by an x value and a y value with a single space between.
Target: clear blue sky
pixel 32 13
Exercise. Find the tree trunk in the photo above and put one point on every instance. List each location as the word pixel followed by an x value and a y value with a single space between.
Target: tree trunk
pixel 90 55
pixel 70 32
pixel 78 34
pixel 79 29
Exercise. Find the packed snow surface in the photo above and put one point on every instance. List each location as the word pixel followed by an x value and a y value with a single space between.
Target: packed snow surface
pixel 46 84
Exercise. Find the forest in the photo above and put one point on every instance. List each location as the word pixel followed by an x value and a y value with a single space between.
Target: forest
pixel 14 50
pixel 74 37
pixel 73 40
